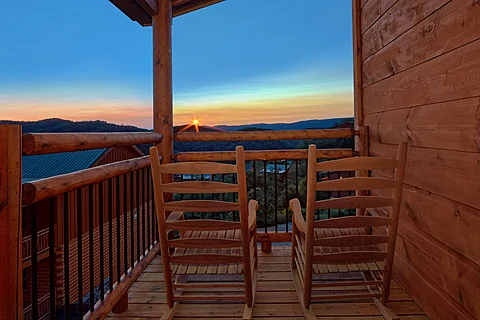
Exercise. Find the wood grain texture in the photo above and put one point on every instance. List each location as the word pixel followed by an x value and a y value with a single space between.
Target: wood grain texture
pixel 201 206
pixel 451 125
pixel 356 183
pixel 262 155
pixel 452 76
pixel 350 241
pixel 11 304
pixel 372 10
pixel 445 173
pixel 204 224
pixel 45 143
pixel 198 168
pixel 263 135
pixel 440 217
pixel 360 163
pixel 162 79
pixel 353 222
pixel 457 277
pixel 433 302
pixel 403 15
pixel 452 26
pixel 354 202
pixel 199 187
pixel 205 259
pixel 357 68
pixel 275 298
pixel 421 78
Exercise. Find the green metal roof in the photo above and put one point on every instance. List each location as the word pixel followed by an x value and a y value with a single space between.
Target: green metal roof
pixel 49 165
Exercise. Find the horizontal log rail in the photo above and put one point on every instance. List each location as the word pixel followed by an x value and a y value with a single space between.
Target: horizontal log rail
pixel 45 143
pixel 263 155
pixel 50 187
pixel 264 135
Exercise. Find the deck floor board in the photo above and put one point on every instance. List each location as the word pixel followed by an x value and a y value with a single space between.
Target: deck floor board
pixel 276 298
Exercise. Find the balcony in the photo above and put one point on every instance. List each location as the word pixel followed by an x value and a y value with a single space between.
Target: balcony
pixel 416 79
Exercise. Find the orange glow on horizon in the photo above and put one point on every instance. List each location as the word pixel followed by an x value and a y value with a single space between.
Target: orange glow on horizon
pixel 139 113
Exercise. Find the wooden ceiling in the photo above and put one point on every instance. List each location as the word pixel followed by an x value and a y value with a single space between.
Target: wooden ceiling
pixel 142 11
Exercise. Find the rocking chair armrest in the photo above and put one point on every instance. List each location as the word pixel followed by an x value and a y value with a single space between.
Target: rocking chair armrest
pixel 298 219
pixel 175 216
pixel 252 214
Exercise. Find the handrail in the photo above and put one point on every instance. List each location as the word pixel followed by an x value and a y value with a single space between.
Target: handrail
pixel 45 143
pixel 46 188
pixel 264 135
pixel 294 154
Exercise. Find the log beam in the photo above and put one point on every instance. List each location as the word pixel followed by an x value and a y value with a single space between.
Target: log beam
pixel 50 187
pixel 11 306
pixel 263 135
pixel 44 143
pixel 263 155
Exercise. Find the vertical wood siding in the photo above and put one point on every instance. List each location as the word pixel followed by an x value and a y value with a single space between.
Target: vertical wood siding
pixel 421 84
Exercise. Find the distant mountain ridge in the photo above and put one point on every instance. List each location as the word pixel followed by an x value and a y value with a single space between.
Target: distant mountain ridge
pixel 61 125
pixel 299 125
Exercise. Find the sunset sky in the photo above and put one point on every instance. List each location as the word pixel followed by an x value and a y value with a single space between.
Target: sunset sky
pixel 240 61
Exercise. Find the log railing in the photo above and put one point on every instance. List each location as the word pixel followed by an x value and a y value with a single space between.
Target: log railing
pixel 97 226
pixel 274 176
pixel 43 143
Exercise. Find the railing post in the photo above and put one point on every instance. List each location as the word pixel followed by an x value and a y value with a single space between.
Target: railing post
pixel 11 305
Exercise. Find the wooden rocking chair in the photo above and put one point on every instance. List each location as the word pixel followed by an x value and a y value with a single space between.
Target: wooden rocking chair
pixel 209 249
pixel 345 246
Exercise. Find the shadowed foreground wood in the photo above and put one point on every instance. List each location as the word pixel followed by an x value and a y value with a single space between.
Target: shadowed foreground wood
pixel 275 297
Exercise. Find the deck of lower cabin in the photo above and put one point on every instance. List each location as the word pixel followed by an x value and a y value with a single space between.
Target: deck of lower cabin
pixel 275 298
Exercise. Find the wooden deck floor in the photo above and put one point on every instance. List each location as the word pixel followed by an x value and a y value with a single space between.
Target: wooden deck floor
pixel 275 299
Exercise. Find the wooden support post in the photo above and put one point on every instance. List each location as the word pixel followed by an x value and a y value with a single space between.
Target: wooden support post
pixel 266 246
pixel 122 304
pixel 162 79
pixel 11 305
pixel 162 84
pixel 357 68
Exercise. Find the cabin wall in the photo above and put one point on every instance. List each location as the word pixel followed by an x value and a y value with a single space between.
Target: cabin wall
pixel 118 154
pixel 421 84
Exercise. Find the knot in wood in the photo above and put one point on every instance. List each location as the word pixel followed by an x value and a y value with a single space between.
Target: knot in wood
pixel 430 27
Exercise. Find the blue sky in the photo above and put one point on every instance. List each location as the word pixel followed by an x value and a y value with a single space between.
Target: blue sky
pixel 261 60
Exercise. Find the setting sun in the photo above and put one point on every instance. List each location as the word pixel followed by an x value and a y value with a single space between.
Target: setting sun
pixel 195 121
